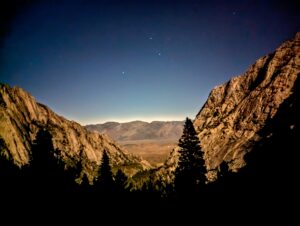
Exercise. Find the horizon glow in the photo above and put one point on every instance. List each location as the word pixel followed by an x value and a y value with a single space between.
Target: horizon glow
pixel 98 61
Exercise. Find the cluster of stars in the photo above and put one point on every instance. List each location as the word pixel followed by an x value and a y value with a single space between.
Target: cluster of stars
pixel 158 53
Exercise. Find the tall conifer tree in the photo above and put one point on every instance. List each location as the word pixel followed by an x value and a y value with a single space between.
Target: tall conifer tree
pixel 190 172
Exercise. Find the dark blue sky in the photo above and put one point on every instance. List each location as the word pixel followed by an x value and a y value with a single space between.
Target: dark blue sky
pixel 93 61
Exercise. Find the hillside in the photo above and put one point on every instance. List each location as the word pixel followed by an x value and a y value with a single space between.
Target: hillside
pixel 21 117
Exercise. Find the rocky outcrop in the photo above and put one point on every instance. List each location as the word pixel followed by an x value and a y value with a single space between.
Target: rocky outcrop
pixel 21 117
pixel 228 124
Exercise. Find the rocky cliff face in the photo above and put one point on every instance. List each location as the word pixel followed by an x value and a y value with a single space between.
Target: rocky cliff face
pixel 228 124
pixel 21 117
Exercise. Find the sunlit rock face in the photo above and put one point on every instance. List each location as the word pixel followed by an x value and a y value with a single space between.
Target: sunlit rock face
pixel 228 124
pixel 21 117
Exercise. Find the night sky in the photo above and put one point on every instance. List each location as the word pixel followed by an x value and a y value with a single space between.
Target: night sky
pixel 97 61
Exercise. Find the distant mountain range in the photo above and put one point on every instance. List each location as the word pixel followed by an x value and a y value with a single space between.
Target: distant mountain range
pixel 153 141
pixel 256 109
pixel 139 130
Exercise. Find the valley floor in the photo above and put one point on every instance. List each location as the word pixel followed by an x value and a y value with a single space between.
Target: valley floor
pixel 154 151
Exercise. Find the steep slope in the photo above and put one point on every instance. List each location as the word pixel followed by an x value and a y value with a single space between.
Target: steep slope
pixel 230 121
pixel 21 117
pixel 139 130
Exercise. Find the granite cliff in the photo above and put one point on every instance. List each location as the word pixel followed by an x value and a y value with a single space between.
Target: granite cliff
pixel 21 117
pixel 229 123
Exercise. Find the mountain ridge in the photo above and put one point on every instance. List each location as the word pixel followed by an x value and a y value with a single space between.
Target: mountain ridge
pixel 151 140
pixel 21 117
pixel 140 130
pixel 229 123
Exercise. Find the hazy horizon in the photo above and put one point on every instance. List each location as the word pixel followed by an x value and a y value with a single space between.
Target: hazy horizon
pixel 128 120
pixel 97 61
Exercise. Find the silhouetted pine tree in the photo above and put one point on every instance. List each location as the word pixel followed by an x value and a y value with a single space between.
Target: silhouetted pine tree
pixel 105 183
pixel 86 192
pixel 71 171
pixel 121 186
pixel 85 184
pixel 46 171
pixel 222 185
pixel 120 180
pixel 190 173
